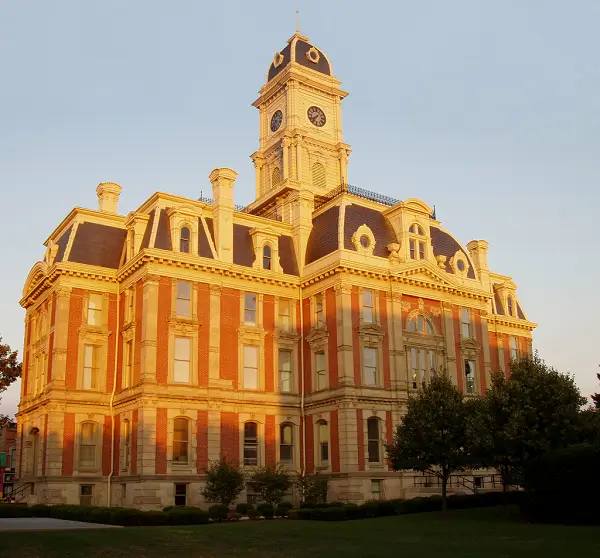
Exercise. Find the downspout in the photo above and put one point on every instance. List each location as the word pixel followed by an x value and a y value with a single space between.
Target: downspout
pixel 112 399
pixel 302 417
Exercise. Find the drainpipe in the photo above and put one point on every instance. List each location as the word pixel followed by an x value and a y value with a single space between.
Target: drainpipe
pixel 112 399
pixel 302 418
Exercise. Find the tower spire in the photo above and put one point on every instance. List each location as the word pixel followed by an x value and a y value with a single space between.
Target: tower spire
pixel 298 21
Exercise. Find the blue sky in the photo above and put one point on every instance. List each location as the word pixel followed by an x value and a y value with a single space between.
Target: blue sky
pixel 489 110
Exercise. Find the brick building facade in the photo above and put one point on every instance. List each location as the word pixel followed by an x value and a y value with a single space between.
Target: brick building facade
pixel 289 331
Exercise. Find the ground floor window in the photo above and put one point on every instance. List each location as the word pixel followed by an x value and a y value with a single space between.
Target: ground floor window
pixel 376 489
pixel 181 494
pixel 250 495
pixel 86 494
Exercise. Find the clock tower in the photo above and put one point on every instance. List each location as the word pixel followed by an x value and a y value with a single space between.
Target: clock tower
pixel 301 149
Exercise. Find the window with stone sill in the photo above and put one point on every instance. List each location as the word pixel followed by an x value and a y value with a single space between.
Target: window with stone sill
pixel 94 310
pixel 367 306
pixel 91 366
pixel 130 296
pixel 514 350
pixel 251 443
pixel 374 440
pixel 125 445
pixel 250 309
pixel 320 371
pixel 267 256
pixel 319 314
pixel 183 305
pixel 88 445
pixel 128 368
pixel 285 314
pixel 470 376
pixel 86 494
pixel 182 360
pixel 285 371
pixel 370 377
pixel 510 306
pixel 322 437
pixel 376 491
pixel 181 441
pixel 422 366
pixel 286 443
pixel 416 242
pixel 250 379
pixel 465 324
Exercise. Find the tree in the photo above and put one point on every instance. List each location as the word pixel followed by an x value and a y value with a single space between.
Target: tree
pixel 433 433
pixel 224 481
pixel 271 484
pixel 596 396
pixel 10 367
pixel 313 488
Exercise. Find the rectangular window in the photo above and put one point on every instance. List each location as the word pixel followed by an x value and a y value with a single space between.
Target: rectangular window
pixel 413 250
pixel 86 494
pixel 470 376
pixel 285 371
pixel 323 437
pixel 370 366
pixel 90 367
pixel 373 440
pixel 87 446
pixel 321 372
pixel 250 309
pixel 514 351
pixel 285 314
pixel 127 372
pixel 94 316
pixel 126 444
pixel 421 250
pixel 376 489
pixel 180 441
pixel 367 303
pixel 286 443
pixel 184 299
pixel 465 319
pixel 130 304
pixel 180 494
pixel 250 443
pixel 250 367
pixel 182 360
pixel 319 318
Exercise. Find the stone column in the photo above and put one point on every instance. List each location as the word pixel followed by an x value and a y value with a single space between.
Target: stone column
pixel 146 451
pixel 286 162
pixel 348 436
pixel 61 336
pixel 343 303
pixel 149 329
pixel 54 441
pixel 450 344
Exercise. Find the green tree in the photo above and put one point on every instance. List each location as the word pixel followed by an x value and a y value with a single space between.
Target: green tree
pixel 224 481
pixel 270 483
pixel 433 433
pixel 313 488
pixel 596 396
pixel 10 371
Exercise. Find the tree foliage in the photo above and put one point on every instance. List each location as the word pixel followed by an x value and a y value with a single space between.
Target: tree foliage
pixel 224 481
pixel 596 396
pixel 10 367
pixel 271 484
pixel 313 488
pixel 433 434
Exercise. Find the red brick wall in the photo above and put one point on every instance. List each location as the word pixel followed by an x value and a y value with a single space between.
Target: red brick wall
pixel 331 321
pixel 230 435
pixel 161 441
pixel 134 441
pixel 389 431
pixel 269 326
pixel 270 441
pixel 385 346
pixel 117 444
pixel 230 321
pixel 137 349
pixel 75 318
pixel 112 341
pixel 106 439
pixel 68 444
pixel 493 351
pixel 203 312
pixel 162 334
pixel 480 357
pixel 361 439
pixel 202 441
pixel 307 354
pixel 334 436
pixel 460 365
pixel 44 445
pixel 310 445
pixel 120 342
pixel 355 313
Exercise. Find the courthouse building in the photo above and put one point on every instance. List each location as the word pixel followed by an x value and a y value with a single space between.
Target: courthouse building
pixel 292 330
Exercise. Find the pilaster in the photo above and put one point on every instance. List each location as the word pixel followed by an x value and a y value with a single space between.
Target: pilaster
pixel 485 343
pixel 348 437
pixel 146 452
pixel 343 302
pixel 61 336
pixel 398 368
pixel 149 329
pixel 451 366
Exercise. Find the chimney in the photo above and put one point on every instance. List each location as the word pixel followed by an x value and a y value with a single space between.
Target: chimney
pixel 222 181
pixel 478 250
pixel 108 197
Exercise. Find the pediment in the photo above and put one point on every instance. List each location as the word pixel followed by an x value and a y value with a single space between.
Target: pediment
pixel 427 272
pixel 317 335
pixel 371 329
pixel 38 273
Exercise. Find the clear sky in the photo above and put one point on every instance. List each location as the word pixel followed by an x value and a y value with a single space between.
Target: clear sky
pixel 488 109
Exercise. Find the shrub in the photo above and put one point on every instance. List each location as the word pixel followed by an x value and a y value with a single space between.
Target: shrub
pixel 385 508
pixel 218 512
pixel 152 518
pixel 336 504
pixel 243 508
pixel 224 481
pixel 82 513
pixel 285 504
pixel 420 505
pixel 14 510
pixel 282 511
pixel 307 506
pixel 293 514
pixel 352 511
pixel 126 517
pixel 332 513
pixel 368 509
pixel 63 511
pixel 253 514
pixel 169 508
pixel 271 483
pixel 39 510
pixel 100 515
pixel 266 510
pixel 190 515
pixel 305 513
pixel 233 516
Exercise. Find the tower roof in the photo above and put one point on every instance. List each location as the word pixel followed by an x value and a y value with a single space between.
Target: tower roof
pixel 301 51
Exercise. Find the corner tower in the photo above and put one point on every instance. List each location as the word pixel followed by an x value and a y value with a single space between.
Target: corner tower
pixel 300 145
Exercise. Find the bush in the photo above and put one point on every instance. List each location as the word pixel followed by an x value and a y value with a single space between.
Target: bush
pixel 420 505
pixel 551 496
pixel 266 510
pixel 385 508
pixel 126 517
pixel 14 510
pixel 285 504
pixel 218 512
pixel 243 508
pixel 307 506
pixel 169 508
pixel 39 510
pixel 332 513
pixel 233 516
pixel 190 515
pixel 336 504
pixel 253 514
pixel 82 513
pixel 368 509
pixel 152 518
pixel 282 511
pixel 63 511
pixel 352 511
pixel 100 515
pixel 305 513
pixel 293 514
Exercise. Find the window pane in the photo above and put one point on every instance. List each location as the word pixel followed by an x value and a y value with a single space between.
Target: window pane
pixel 421 250
pixel 250 308
pixel 470 375
pixel 373 447
pixel 373 429
pixel 251 356
pixel 250 367
pixel 411 324
pixel 89 356
pixel 412 249
pixel 87 456
pixel 420 323
pixel 323 432
pixel 250 430
pixel 324 452
pixel 181 372
pixel 285 371
pixel 184 289
pixel 370 356
pixel 284 314
pixel 429 327
pixel 182 348
pixel 182 307
pixel 250 378
pixel 87 433
pixel 286 454
pixel 94 309
pixel 286 434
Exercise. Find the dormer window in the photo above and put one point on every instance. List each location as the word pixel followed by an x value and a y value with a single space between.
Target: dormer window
pixel 417 243
pixel 184 240
pixel 511 306
pixel 266 257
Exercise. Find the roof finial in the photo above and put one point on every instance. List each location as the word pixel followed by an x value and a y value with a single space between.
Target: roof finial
pixel 298 21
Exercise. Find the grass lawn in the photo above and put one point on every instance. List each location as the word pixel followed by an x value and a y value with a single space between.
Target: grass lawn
pixel 478 533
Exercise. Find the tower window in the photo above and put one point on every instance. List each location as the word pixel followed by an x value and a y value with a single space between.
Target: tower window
pixel 275 177
pixel 319 311
pixel 184 240
pixel 514 351
pixel 511 306
pixel 416 244
pixel 319 177
pixel 266 257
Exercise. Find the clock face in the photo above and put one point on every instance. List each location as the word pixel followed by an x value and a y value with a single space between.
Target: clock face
pixel 316 116
pixel 276 120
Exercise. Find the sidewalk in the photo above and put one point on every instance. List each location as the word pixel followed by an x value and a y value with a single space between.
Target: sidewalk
pixel 46 524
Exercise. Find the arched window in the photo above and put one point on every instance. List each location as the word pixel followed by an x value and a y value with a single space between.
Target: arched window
pixel 275 177
pixel 465 324
pixel 416 242
pixel 126 438
pixel 266 256
pixel 420 324
pixel 286 443
pixel 184 240
pixel 511 306
pixel 88 443
pixel 250 443
pixel 373 444
pixel 319 177
pixel 323 443
pixel 181 441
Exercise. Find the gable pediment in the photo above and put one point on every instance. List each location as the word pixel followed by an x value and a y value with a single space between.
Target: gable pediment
pixel 426 272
